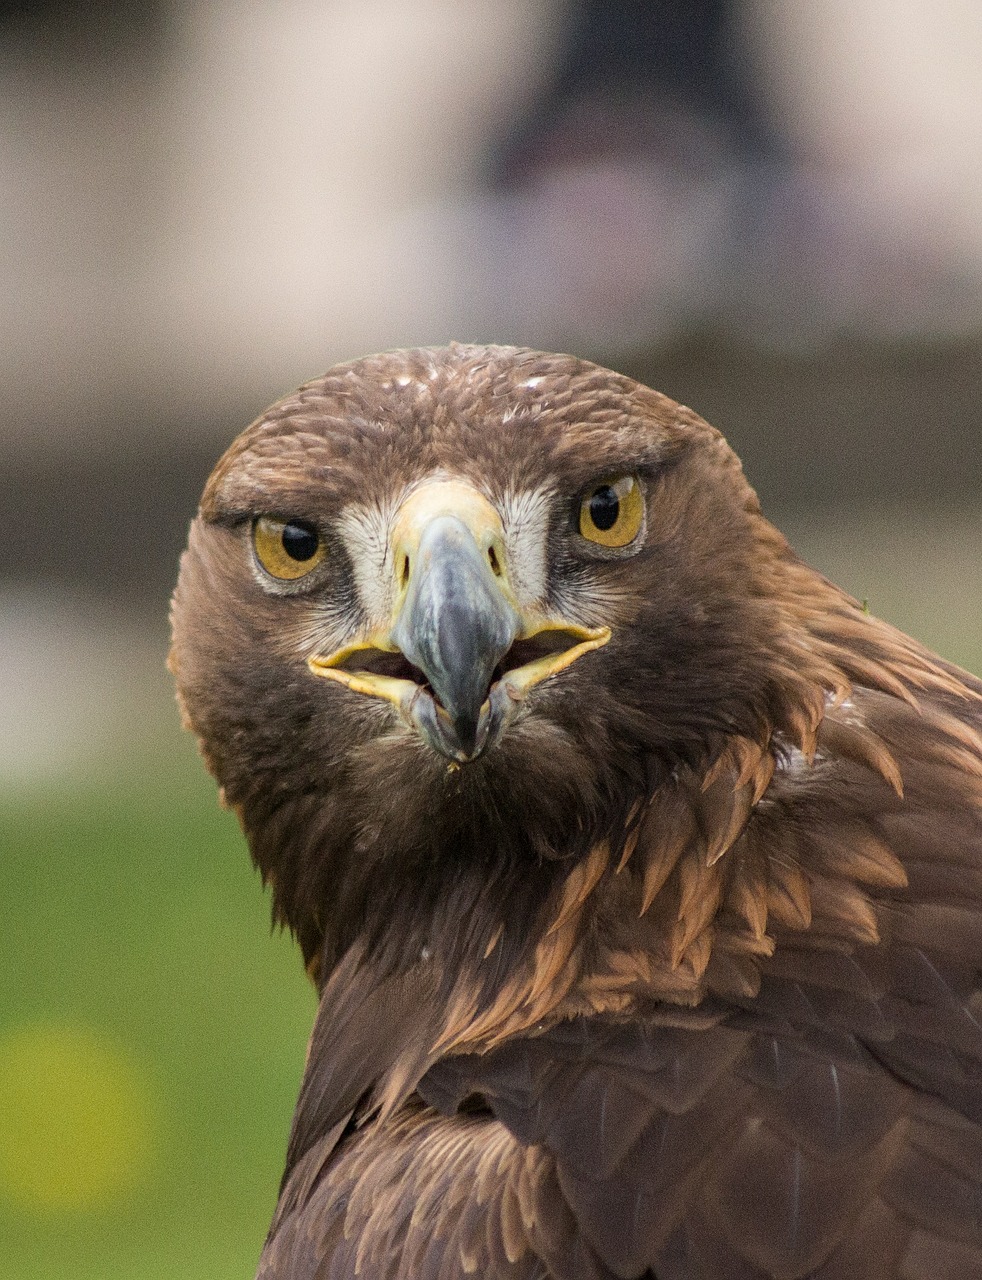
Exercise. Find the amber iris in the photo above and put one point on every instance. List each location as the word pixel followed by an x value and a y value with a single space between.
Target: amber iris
pixel 286 549
pixel 612 512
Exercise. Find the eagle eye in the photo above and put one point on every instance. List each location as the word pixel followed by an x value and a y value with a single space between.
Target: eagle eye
pixel 612 512
pixel 286 549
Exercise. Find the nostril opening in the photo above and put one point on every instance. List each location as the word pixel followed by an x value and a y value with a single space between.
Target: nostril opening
pixel 404 572
pixel 493 561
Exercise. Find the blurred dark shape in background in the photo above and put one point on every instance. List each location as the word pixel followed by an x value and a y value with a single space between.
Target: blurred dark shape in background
pixel 770 210
pixel 627 77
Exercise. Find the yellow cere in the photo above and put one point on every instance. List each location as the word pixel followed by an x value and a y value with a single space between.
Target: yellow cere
pixel 612 512
pixel 286 549
pixel 78 1119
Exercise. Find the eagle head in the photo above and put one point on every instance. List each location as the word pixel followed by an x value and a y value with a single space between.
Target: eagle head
pixel 469 604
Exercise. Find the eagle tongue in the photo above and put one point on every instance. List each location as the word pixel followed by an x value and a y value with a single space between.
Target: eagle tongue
pixel 455 625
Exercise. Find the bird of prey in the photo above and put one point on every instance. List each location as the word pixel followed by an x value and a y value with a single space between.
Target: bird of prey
pixel 637 867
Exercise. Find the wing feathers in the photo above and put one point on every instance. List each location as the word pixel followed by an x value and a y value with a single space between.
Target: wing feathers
pixel 853 741
pixel 776 1165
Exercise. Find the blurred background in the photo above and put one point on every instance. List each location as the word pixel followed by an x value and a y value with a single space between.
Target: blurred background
pixel 769 209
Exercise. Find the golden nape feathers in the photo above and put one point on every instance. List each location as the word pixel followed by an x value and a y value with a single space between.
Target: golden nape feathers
pixel 638 869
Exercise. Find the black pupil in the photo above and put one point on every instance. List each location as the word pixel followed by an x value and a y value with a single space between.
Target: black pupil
pixel 299 541
pixel 605 507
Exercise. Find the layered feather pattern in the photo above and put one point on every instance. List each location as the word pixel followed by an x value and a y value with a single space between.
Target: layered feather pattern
pixel 684 980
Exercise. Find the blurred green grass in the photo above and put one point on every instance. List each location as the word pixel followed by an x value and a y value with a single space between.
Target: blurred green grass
pixel 129 910
pixel 917 567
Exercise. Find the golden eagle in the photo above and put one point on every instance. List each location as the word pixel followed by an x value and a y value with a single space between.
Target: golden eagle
pixel 638 869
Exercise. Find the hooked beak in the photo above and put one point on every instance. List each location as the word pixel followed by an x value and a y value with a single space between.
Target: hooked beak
pixel 459 654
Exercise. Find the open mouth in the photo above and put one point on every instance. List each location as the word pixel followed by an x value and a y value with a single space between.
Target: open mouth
pixel 543 644
pixel 376 662
pixel 529 661
pixel 366 668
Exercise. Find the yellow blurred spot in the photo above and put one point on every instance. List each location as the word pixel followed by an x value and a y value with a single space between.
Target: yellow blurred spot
pixel 77 1118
